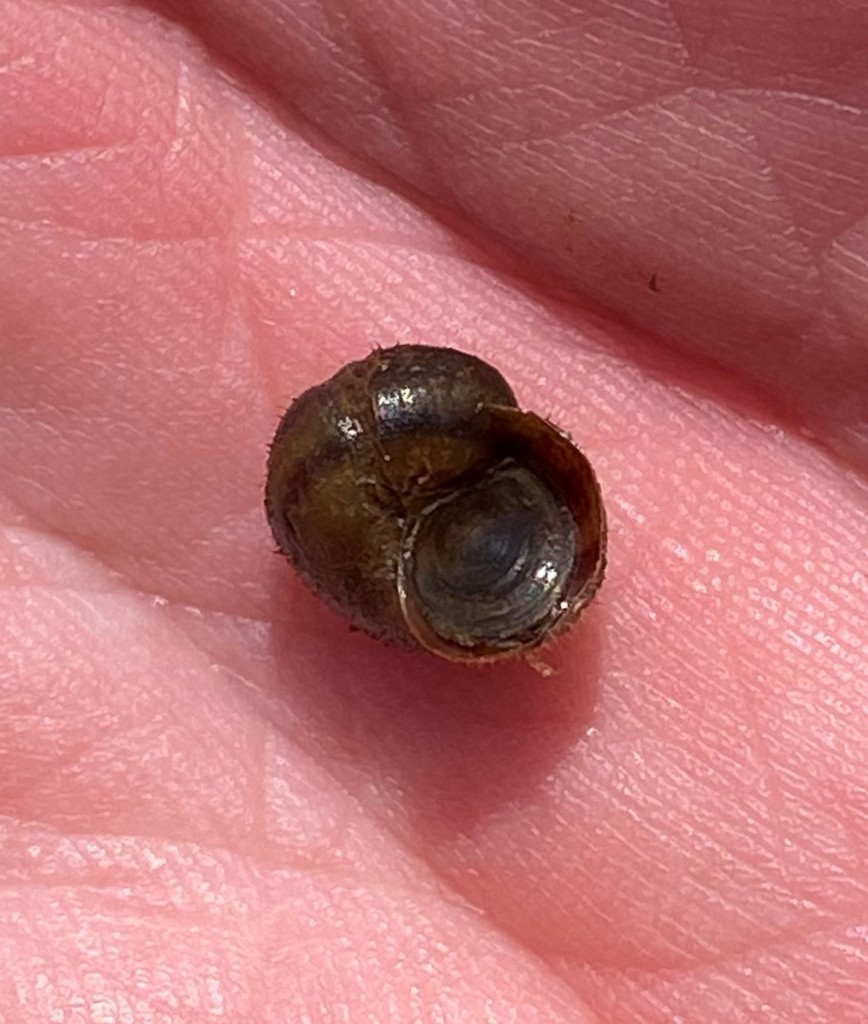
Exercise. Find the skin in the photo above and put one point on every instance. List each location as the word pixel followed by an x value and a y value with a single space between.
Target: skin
pixel 219 804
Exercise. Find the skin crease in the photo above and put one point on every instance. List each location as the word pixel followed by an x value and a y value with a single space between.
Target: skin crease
pixel 215 803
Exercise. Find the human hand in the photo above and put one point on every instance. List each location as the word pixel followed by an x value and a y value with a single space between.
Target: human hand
pixel 216 801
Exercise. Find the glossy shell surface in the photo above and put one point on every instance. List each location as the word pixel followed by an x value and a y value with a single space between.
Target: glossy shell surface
pixel 413 495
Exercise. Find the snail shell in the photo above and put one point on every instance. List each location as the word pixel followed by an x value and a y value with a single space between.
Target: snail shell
pixel 412 494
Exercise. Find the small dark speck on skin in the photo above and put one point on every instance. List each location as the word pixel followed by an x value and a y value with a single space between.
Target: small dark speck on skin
pixel 652 284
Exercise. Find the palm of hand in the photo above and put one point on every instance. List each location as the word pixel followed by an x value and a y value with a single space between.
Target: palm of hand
pixel 215 800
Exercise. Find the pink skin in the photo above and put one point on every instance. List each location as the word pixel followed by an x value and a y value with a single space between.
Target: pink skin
pixel 219 805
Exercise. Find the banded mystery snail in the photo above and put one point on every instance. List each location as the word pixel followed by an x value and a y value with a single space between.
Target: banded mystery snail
pixel 413 495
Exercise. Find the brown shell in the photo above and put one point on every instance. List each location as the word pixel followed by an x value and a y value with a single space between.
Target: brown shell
pixel 383 483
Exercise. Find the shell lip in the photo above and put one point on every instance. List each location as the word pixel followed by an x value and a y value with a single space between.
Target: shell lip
pixel 567 470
